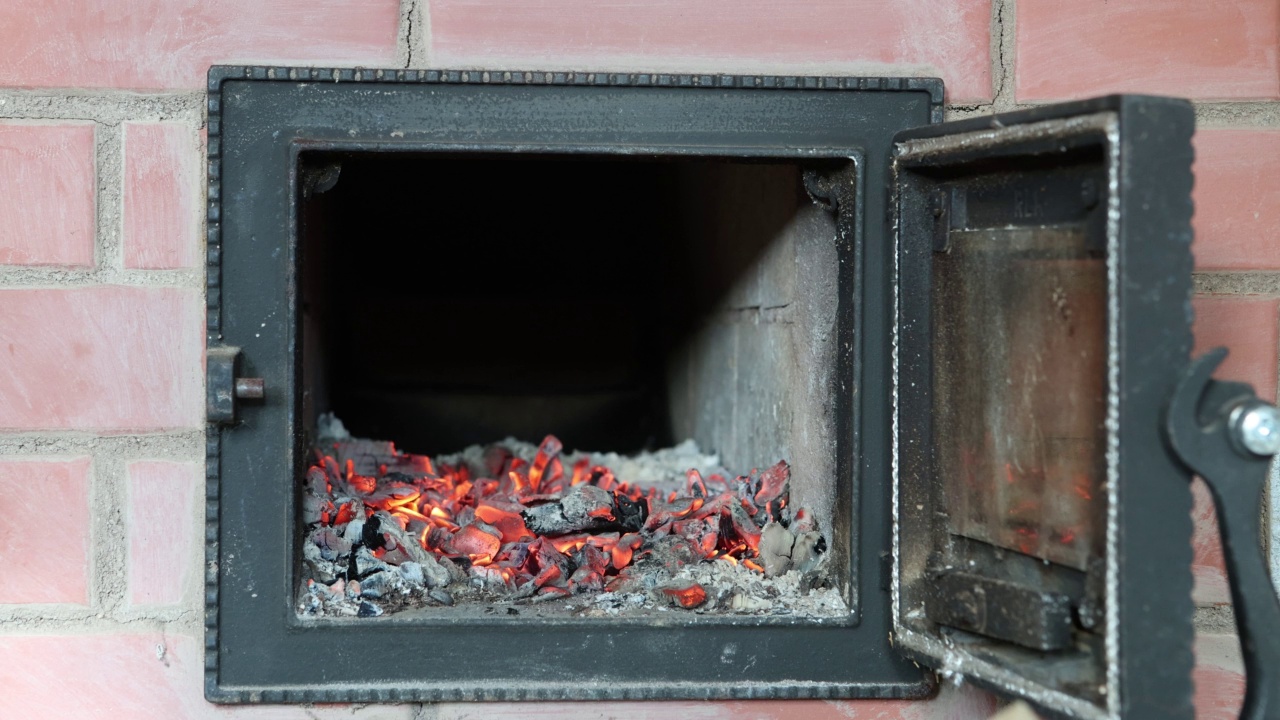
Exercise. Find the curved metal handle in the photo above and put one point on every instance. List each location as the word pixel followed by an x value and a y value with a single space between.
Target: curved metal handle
pixel 1206 426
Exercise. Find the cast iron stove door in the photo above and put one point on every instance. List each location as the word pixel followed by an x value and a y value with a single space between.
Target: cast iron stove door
pixel 267 124
pixel 1041 541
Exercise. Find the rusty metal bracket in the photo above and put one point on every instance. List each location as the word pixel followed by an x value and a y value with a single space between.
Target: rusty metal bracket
pixel 1029 616
pixel 223 388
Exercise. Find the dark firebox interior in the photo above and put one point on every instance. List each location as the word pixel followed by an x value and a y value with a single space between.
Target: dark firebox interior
pixel 619 303
pixel 471 299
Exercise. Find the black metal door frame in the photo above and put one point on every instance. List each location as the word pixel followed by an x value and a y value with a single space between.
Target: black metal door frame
pixel 261 118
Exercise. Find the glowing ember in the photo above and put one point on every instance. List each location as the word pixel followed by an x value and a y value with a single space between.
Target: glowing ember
pixel 549 527
pixel 690 596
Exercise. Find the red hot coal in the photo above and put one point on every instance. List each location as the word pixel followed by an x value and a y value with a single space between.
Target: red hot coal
pixel 511 524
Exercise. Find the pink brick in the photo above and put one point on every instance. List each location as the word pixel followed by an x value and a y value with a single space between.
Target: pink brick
pixel 1205 50
pixel 1218 677
pixel 1207 565
pixel 155 44
pixel 44 537
pixel 1247 326
pixel 162 163
pixel 951 703
pixel 947 37
pixel 46 193
pixel 1237 195
pixel 133 677
pixel 109 359
pixel 162 530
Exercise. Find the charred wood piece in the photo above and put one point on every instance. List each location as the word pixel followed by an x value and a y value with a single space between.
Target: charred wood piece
pixel 586 508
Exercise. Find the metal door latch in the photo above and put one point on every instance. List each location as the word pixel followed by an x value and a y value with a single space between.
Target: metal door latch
pixel 223 388
pixel 1227 435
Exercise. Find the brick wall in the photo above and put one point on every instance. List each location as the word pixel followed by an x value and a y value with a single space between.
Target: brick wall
pixel 101 288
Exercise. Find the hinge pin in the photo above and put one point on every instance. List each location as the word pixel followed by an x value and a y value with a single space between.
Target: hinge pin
pixel 1257 427
pixel 250 388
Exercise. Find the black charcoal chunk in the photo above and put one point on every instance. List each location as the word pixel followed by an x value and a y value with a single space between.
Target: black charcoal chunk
pixel 370 534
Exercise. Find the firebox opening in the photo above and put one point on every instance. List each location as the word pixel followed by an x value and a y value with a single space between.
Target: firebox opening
pixel 618 303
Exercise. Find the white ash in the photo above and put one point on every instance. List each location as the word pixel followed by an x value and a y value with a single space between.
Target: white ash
pixel 612 603
pixel 739 590
pixel 665 469
pixel 661 467
pixel 329 427
pixel 731 589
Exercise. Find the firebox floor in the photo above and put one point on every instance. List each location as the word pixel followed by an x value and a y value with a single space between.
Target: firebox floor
pixel 737 592
pixel 514 528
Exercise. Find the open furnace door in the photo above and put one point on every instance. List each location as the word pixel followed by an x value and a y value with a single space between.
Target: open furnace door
pixel 1042 528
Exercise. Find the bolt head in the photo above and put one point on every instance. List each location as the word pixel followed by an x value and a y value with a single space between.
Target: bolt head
pixel 1259 430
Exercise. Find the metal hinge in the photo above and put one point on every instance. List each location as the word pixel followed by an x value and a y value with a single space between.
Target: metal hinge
pixel 223 388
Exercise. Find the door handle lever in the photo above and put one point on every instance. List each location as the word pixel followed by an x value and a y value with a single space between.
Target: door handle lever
pixel 1225 434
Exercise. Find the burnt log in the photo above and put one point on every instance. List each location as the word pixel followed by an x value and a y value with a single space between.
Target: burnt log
pixel 585 508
